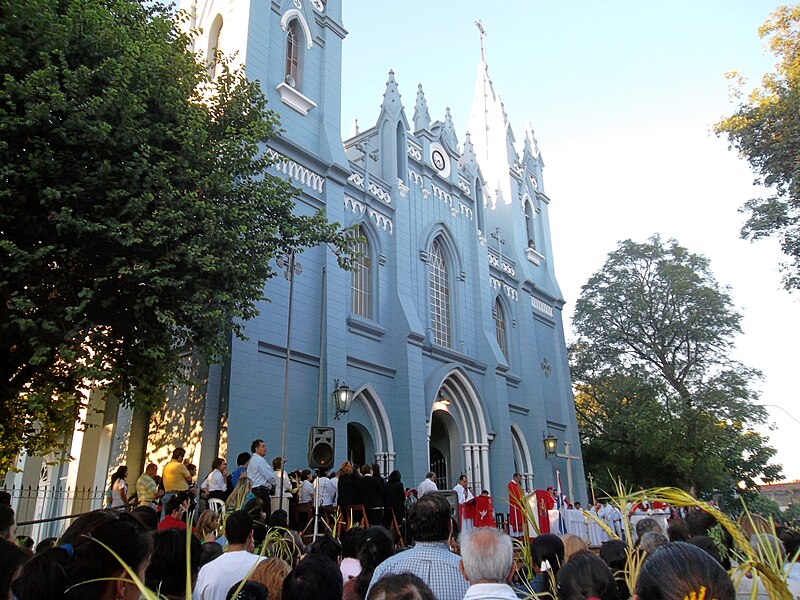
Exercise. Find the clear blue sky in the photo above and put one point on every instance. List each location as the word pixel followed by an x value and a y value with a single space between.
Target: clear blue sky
pixel 622 96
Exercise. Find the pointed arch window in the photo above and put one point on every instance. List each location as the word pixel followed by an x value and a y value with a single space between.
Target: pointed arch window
pixel 439 286
pixel 529 224
pixel 214 46
pixel 294 40
pixel 361 282
pixel 500 326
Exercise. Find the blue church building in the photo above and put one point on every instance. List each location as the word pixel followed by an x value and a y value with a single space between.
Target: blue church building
pixel 449 330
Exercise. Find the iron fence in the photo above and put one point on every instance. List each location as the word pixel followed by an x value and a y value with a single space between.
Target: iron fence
pixel 44 511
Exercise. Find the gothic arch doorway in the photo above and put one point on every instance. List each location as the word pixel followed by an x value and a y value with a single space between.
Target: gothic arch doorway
pixel 369 434
pixel 359 444
pixel 522 457
pixel 458 432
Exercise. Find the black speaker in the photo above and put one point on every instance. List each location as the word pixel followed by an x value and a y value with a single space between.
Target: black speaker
pixel 320 447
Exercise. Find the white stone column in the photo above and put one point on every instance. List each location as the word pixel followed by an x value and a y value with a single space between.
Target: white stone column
pixel 484 462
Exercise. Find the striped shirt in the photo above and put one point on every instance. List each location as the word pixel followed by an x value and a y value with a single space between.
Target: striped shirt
pixel 146 490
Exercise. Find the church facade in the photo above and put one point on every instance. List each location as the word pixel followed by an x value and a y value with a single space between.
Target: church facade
pixel 449 329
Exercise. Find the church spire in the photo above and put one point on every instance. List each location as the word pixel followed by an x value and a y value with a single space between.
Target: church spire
pixel 448 131
pixel 422 118
pixel 391 97
pixel 467 160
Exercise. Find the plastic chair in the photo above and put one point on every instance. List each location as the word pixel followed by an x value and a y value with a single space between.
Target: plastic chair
pixel 216 505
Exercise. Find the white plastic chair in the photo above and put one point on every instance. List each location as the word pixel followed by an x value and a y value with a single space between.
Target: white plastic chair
pixel 216 505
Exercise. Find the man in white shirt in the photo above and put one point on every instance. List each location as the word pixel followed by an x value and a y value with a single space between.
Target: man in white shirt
pixel 463 491
pixel 260 473
pixel 427 485
pixel 236 563
pixel 326 492
pixel 487 562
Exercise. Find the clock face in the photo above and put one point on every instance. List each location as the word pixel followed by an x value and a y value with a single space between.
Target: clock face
pixel 439 159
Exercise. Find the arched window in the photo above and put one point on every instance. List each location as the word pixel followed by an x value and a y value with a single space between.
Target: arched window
pixel 479 205
pixel 500 326
pixel 439 284
pixel 361 283
pixel 294 39
pixel 529 224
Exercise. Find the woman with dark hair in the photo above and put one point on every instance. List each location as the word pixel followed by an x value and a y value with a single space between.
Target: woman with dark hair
pixel 394 497
pixel 405 586
pixel 216 485
pixel 547 556
pixel 316 577
pixel 376 547
pixel 166 573
pixel 584 576
pixel 679 570
pixel 82 566
pixel 615 555
pixel 119 488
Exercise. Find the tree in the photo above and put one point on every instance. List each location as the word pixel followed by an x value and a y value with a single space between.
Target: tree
pixel 658 396
pixel 765 129
pixel 136 218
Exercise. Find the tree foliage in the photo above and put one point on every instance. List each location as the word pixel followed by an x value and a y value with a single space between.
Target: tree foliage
pixel 136 218
pixel 659 400
pixel 765 129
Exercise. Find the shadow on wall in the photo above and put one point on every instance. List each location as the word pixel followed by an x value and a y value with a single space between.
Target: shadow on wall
pixel 180 421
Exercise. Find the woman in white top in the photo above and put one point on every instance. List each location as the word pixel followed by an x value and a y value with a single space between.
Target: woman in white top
pixel 306 493
pixel 119 487
pixel 215 485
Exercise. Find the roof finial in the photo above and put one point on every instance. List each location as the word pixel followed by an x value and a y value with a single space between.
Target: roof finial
pixel 479 25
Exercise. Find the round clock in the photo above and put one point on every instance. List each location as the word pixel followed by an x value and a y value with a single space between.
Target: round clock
pixel 439 159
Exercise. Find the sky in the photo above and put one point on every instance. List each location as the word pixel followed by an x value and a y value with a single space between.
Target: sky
pixel 622 97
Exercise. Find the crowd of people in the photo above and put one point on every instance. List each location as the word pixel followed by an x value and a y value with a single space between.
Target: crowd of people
pixel 248 550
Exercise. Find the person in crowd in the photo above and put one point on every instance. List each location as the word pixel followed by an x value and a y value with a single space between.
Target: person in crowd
pixel 614 554
pixel 119 488
pixel 306 492
pixel 351 543
pixel 247 590
pixel 573 544
pixel 678 570
pixel 209 552
pixel 427 485
pixel 324 489
pixel 329 546
pixel 487 563
pixel 12 557
pixel 175 513
pixel 8 523
pixel 376 473
pixel 148 516
pixel 83 557
pixel 289 488
pixel 516 500
pixel 333 488
pixel 271 573
pixel 348 486
pixel 405 586
pixel 279 520
pixel 677 531
pixel 50 542
pixel 166 572
pixel 5 497
pixel 547 556
pixel 235 564
pixel 430 558
pixel 706 543
pixel 394 497
pixel 260 472
pixel 586 576
pixel 371 491
pixel 647 524
pixel 376 547
pixel 241 494
pixel 241 468
pixel 206 528
pixel 215 485
pixel 147 491
pixel 462 489
pixel 791 543
pixel 316 577
pixel 651 540
pixel 175 477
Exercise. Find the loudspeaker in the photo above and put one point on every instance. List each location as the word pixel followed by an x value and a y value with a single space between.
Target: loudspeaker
pixel 320 447
pixel 452 499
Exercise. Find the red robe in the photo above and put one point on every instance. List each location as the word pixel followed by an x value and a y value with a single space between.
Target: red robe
pixel 544 503
pixel 515 503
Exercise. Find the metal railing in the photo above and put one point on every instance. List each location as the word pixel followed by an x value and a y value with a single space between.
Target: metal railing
pixel 45 510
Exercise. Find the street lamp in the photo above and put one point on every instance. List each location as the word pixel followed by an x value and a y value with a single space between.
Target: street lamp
pixel 550 444
pixel 551 449
pixel 342 398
